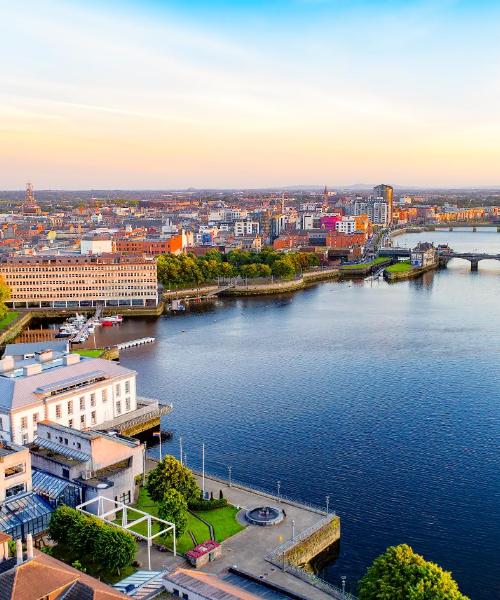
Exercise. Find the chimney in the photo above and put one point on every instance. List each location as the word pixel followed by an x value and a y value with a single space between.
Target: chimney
pixel 29 546
pixel 33 369
pixel 19 552
pixel 71 359
pixel 7 364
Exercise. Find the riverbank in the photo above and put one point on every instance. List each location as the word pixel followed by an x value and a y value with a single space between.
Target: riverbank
pixel 404 270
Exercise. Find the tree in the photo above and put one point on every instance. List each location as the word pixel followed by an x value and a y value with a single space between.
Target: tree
pixel 173 508
pixel 4 295
pixel 401 574
pixel 170 474
pixel 114 548
pixel 283 268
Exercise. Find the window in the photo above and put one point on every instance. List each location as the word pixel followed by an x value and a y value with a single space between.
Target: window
pixel 70 407
pixel 104 395
pixel 35 418
pixel 58 411
pixel 24 439
pixel 65 473
pixel 118 389
pixel 82 403
pixel 70 423
pixel 24 422
pixel 118 407
pixel 82 420
pixel 92 399
pixel 14 490
pixel 14 470
pixel 92 418
pixel 127 387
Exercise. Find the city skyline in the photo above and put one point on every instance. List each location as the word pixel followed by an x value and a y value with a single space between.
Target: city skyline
pixel 249 94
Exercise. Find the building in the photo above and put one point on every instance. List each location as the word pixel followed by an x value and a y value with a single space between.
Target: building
pixel 196 585
pixel 69 281
pixel 423 255
pixel 67 389
pixel 246 228
pixel 376 209
pixel 30 206
pixel 33 575
pixel 96 244
pixel 15 470
pixel 386 193
pixel 154 246
pixel 99 463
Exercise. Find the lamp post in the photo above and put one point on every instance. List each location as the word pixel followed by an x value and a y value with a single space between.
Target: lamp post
pixel 343 578
pixel 180 449
pixel 203 469
pixel 293 530
pixel 278 485
pixel 327 503
pixel 229 469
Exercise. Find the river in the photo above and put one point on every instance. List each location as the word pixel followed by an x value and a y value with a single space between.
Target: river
pixel 383 396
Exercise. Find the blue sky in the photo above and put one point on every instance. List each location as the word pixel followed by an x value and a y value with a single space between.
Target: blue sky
pixel 174 94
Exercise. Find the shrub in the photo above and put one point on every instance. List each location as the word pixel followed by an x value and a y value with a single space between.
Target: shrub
pixel 201 505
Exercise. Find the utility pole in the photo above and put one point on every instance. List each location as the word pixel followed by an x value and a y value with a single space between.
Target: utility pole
pixel 327 503
pixel 180 449
pixel 293 530
pixel 343 578
pixel 278 484
pixel 229 468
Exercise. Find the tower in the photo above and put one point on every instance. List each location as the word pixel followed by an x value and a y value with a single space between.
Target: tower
pixel 386 192
pixel 30 205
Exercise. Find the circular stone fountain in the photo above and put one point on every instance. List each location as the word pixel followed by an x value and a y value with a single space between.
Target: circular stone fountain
pixel 264 515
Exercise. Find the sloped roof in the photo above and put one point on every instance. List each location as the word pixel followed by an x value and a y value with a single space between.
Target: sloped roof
pixel 20 391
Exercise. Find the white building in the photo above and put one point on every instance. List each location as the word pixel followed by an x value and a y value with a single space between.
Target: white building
pixel 75 391
pixel 247 227
pixel 346 225
pixel 96 244
pixel 305 221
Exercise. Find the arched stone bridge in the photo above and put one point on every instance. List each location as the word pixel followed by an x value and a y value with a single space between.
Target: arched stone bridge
pixel 473 257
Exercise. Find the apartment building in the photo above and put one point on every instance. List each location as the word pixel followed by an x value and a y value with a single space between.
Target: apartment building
pixel 154 246
pixel 70 281
pixel 15 470
pixel 100 464
pixel 74 391
pixel 246 228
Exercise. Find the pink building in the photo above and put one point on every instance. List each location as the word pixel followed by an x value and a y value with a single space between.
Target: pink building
pixel 328 222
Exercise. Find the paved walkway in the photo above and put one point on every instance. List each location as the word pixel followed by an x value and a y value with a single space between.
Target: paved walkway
pixel 248 548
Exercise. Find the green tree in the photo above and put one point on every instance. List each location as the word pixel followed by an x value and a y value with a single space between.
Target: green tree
pixel 283 268
pixel 173 508
pixel 170 474
pixel 114 548
pixel 4 295
pixel 401 574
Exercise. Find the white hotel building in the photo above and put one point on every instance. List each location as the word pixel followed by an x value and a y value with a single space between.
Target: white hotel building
pixel 65 388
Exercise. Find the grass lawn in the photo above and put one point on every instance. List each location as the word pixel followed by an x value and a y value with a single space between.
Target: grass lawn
pixel 222 519
pixel 372 263
pixel 69 555
pixel 400 267
pixel 7 320
pixel 89 352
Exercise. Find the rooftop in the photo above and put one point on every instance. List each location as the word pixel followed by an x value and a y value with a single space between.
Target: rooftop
pixel 7 448
pixel 20 389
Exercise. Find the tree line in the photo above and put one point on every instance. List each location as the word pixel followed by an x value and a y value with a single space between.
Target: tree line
pixel 189 269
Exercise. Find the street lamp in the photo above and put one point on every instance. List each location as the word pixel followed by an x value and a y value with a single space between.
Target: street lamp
pixel 343 578
pixel 229 469
pixel 327 503
pixel 278 484
pixel 293 530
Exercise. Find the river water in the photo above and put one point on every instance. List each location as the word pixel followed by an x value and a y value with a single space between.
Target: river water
pixel 384 397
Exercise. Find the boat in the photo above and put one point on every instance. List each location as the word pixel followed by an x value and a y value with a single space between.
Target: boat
pixel 112 320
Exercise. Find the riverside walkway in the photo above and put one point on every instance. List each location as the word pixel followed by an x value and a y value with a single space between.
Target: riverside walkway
pixel 248 549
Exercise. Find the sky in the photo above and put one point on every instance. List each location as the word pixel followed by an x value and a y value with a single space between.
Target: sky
pixel 172 94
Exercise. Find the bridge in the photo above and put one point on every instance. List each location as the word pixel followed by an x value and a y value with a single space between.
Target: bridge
pixel 473 257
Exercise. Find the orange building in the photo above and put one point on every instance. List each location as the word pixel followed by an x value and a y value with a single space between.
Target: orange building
pixel 172 245
pixel 335 239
